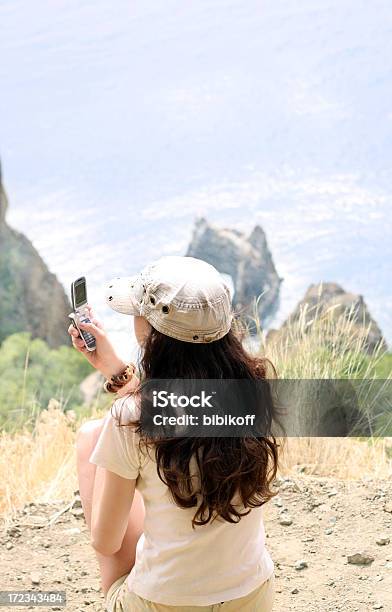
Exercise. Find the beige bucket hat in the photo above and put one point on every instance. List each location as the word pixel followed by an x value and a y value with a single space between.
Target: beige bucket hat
pixel 182 297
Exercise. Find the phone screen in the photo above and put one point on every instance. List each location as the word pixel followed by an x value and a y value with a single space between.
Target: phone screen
pixel 80 293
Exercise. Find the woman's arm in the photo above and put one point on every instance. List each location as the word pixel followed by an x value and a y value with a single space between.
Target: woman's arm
pixel 104 358
pixel 111 505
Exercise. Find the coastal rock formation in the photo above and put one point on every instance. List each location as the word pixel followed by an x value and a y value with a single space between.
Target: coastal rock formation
pixel 247 259
pixel 3 200
pixel 91 386
pixel 31 297
pixel 331 300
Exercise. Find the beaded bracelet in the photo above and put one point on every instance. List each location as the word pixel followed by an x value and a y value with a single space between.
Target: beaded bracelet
pixel 120 380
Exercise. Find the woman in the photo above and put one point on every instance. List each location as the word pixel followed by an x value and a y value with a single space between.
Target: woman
pixel 176 522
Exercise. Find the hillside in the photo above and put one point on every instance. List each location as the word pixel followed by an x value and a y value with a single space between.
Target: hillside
pixel 31 297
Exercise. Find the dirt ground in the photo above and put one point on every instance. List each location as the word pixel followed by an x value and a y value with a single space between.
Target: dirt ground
pixel 313 527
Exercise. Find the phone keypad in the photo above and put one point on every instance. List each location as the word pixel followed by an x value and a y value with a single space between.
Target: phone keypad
pixel 87 337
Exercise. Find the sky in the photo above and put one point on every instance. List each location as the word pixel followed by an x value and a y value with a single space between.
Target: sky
pixel 121 122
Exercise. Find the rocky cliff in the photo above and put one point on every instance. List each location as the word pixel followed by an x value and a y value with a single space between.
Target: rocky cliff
pixel 3 200
pixel 246 259
pixel 31 297
pixel 330 299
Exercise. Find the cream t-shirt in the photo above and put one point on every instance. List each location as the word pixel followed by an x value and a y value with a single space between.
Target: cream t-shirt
pixel 176 564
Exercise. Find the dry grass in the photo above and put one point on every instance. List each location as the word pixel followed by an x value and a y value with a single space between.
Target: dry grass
pixel 319 345
pixel 343 458
pixel 40 465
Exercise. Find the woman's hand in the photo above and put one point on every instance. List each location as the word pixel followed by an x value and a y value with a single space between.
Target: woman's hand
pixel 104 358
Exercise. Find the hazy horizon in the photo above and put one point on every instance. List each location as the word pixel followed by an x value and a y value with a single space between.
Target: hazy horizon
pixel 119 125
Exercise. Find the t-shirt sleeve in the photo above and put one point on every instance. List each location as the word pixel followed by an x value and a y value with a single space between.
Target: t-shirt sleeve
pixel 117 448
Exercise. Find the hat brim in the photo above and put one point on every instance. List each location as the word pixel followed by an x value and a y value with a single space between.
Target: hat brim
pixel 125 294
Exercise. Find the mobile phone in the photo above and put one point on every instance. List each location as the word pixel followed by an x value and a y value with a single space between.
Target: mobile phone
pixel 80 312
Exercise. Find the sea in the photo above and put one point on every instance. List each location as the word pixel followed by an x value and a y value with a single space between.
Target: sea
pixel 122 122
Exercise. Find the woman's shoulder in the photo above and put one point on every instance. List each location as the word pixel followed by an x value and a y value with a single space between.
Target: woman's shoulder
pixel 125 410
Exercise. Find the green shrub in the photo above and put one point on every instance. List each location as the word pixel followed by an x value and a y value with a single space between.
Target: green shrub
pixel 31 374
pixel 383 367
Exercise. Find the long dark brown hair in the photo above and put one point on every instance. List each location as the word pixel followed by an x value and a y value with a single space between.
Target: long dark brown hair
pixel 235 474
